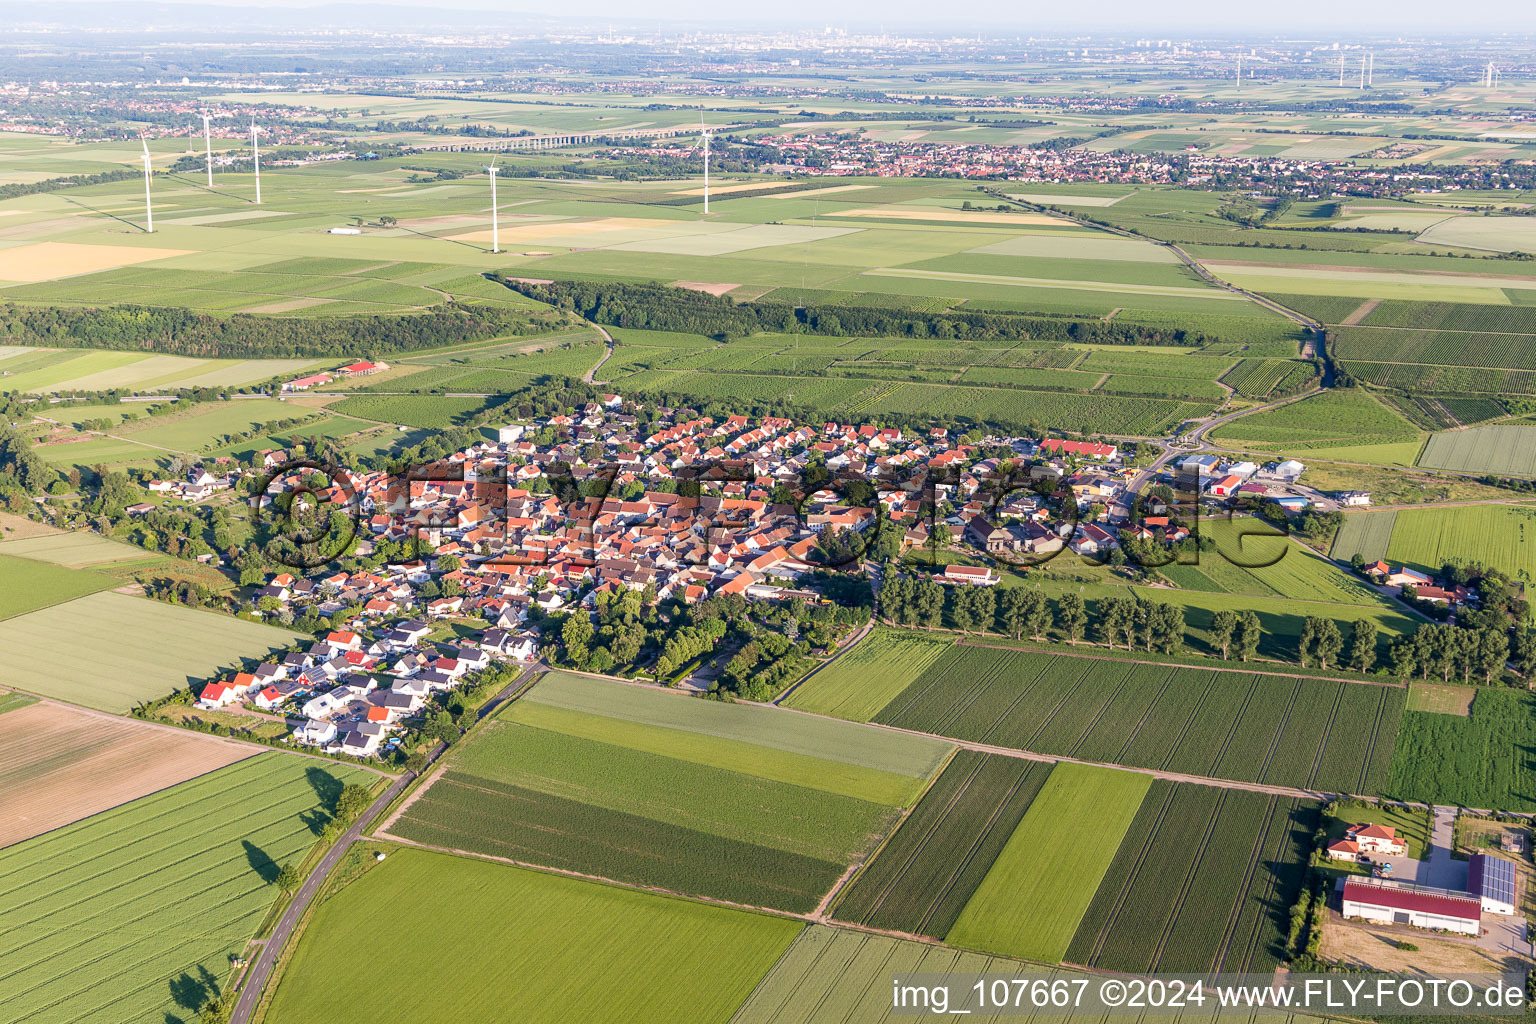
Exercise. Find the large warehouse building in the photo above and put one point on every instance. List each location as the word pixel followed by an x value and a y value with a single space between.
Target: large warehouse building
pixel 1384 902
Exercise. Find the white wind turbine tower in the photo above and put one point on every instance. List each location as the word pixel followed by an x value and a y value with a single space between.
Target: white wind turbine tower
pixel 1239 72
pixel 256 160
pixel 495 224
pixel 149 212
pixel 208 149
pixel 1341 70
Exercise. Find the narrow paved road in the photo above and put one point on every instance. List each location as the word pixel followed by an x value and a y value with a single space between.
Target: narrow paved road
pixel 256 978
pixel 591 375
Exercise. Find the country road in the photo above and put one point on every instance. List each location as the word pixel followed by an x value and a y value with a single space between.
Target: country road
pixel 590 376
pixel 256 977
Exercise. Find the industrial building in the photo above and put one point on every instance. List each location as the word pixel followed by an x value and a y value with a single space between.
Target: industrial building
pixel 1385 902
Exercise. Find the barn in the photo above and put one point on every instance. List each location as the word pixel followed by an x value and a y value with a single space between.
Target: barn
pixel 1492 879
pixel 1384 902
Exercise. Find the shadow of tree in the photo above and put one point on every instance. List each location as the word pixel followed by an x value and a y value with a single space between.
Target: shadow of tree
pixel 262 864
pixel 192 992
pixel 327 787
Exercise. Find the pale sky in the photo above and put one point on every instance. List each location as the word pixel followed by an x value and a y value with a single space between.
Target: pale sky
pixel 1298 19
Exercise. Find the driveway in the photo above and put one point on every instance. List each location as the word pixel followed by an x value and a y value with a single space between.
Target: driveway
pixel 1440 870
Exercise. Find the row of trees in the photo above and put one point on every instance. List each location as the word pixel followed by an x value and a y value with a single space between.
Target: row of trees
pixel 1019 612
pixel 661 308
pixel 180 331
pixel 1446 651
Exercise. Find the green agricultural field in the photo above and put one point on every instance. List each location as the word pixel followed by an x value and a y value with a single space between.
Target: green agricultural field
pixel 1495 535
pixel 521 945
pixel 428 412
pixel 1203 882
pixel 111 651
pixel 911 756
pixel 133 914
pixel 1481 760
pixel 1366 534
pixel 712 816
pixel 12 701
pixel 865 679
pixel 34 585
pixel 1499 450
pixel 207 424
pixel 925 874
pixel 1032 900
pixel 76 549
pixel 1330 419
pixel 1250 727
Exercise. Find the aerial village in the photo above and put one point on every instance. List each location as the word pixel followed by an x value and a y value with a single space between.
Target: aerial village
pixel 498 537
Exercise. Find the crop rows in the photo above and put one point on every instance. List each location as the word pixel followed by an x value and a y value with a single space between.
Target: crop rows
pixel 98 917
pixel 478 815
pixel 1429 377
pixel 1448 759
pixel 1506 451
pixel 1451 315
pixel 920 881
pixel 1202 883
pixel 1339 414
pixel 1247 727
pixel 1450 348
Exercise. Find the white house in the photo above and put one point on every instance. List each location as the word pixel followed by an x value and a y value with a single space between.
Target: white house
pixel 1355 499
pixel 511 433
pixel 324 704
pixel 315 734
pixel 217 695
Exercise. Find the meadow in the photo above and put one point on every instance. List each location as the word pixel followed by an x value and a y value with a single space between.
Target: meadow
pixel 110 651
pixel 1495 535
pixel 1202 883
pixel 521 945
pixel 1035 894
pixel 74 549
pixel 868 676
pixel 33 585
pixel 134 913
pixel 1480 760
pixel 1498 450
pixel 1239 725
pixel 912 757
pixel 928 870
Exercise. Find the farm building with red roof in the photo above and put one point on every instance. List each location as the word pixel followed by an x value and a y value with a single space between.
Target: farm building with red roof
pixel 1385 902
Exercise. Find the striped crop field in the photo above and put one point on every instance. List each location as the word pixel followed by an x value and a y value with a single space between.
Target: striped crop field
pixel 674 795
pixel 1034 896
pixel 1202 883
pixel 1246 726
pixel 865 679
pixel 1500 450
pixel 520 945
pixel 133 914
pixel 1366 534
pixel 925 873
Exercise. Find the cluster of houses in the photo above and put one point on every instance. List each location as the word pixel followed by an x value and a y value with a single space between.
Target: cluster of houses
pixel 1421 585
pixel 350 695
pixel 1491 884
pixel 314 380
pixel 197 483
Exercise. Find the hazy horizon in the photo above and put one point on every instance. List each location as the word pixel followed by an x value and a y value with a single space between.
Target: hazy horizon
pixel 1307 19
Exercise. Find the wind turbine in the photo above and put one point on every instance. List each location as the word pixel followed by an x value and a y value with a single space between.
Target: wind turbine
pixel 495 225
pixel 149 212
pixel 1239 72
pixel 1341 70
pixel 705 132
pixel 256 160
pixel 208 149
